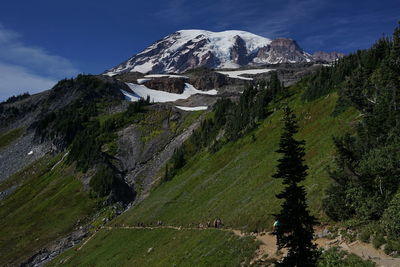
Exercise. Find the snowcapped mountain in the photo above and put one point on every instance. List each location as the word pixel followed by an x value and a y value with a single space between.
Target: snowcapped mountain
pixel 187 49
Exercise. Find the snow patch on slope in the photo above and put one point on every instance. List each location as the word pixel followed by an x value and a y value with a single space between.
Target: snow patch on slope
pixel 236 74
pixel 142 81
pixel 165 75
pixel 130 96
pixel 192 108
pixel 141 91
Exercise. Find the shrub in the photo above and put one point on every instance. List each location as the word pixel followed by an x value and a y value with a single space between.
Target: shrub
pixel 378 240
pixel 365 235
pixel 391 217
pixel 334 257
pixel 392 246
pixel 102 182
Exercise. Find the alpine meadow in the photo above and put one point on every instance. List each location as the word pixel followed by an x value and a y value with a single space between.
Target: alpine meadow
pixel 211 147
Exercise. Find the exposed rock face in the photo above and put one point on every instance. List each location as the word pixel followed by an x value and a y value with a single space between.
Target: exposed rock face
pixel 282 50
pixel 239 52
pixel 143 161
pixel 327 56
pixel 206 79
pixel 130 77
pixel 170 85
pixel 45 255
pixel 20 154
pixel 190 59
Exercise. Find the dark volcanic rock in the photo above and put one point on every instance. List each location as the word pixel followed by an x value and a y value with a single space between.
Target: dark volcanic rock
pixel 170 85
pixel 190 60
pixel 283 50
pixel 327 56
pixel 263 52
pixel 206 79
pixel 239 52
pixel 129 77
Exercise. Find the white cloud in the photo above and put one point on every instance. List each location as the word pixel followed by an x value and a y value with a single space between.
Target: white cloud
pixel 16 80
pixel 28 68
pixel 38 60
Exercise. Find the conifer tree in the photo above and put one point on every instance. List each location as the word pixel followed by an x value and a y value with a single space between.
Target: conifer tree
pixel 295 230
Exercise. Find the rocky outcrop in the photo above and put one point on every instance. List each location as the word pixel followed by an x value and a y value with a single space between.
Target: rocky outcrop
pixel 130 77
pixel 239 52
pixel 20 154
pixel 187 58
pixel 282 50
pixel 327 56
pixel 206 79
pixel 143 161
pixel 45 255
pixel 167 84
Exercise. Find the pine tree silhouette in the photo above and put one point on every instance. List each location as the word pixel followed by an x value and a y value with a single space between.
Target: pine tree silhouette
pixel 295 224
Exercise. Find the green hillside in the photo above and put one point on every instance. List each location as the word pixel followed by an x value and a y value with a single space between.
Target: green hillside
pixel 161 247
pixel 45 207
pixel 235 184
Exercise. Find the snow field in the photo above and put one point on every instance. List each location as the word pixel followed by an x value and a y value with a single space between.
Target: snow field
pixel 236 74
pixel 192 108
pixel 141 91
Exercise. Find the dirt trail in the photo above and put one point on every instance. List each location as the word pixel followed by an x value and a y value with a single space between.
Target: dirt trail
pixel 363 250
pixel 268 249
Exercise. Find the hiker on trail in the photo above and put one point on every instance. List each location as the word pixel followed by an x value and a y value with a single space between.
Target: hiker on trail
pixel 208 224
pixel 217 223
pixel 277 225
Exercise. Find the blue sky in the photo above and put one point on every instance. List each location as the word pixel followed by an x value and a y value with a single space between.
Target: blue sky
pixel 43 41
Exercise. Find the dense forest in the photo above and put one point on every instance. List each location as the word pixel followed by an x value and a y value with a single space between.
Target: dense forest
pixel 366 173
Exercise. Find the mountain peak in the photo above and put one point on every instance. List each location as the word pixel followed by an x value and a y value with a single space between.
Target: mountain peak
pixel 192 48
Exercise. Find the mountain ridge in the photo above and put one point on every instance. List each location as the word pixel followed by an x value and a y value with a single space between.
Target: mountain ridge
pixel 189 49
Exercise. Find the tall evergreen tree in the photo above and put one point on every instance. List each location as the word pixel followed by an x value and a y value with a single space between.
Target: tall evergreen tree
pixel 295 230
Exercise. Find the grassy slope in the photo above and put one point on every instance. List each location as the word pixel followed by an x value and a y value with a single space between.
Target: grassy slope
pixel 47 203
pixel 235 183
pixel 127 247
pixel 44 207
